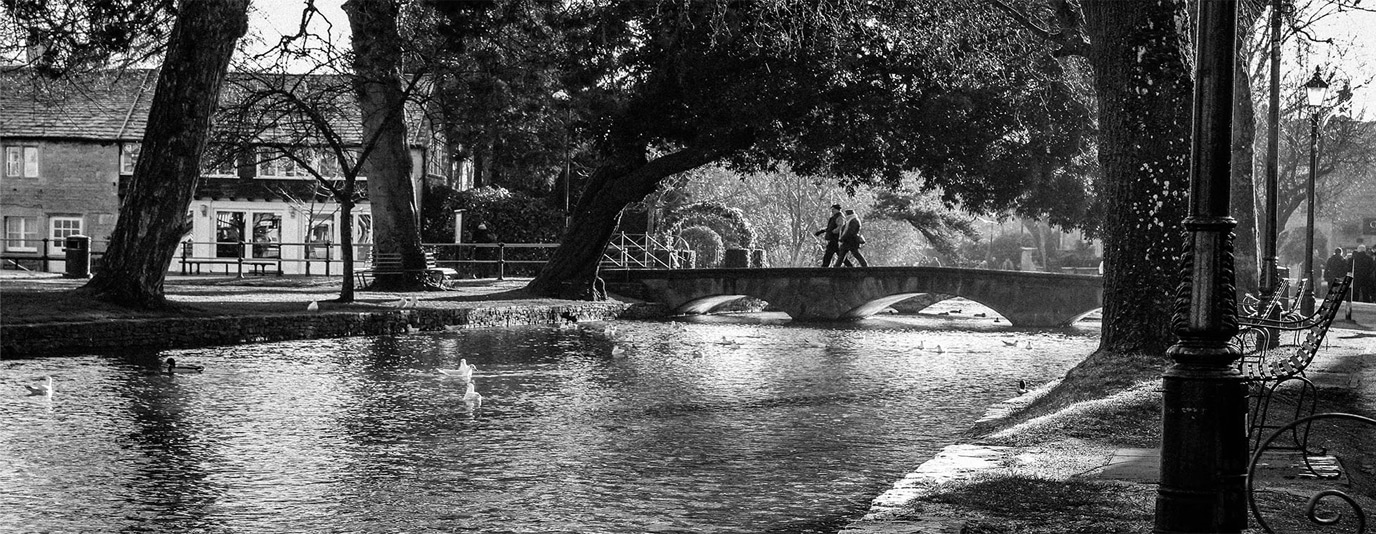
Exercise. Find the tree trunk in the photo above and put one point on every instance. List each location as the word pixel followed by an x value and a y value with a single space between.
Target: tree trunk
pixel 1244 201
pixel 625 176
pixel 381 101
pixel 1243 192
pixel 1142 75
pixel 153 218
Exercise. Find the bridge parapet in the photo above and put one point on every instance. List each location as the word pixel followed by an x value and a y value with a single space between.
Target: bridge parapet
pixel 818 293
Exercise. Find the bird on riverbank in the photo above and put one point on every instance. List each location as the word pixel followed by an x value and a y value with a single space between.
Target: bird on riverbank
pixel 1012 343
pixel 313 306
pixel 173 368
pixel 1022 386
pixel 44 389
pixel 921 344
pixel 937 349
pixel 1027 345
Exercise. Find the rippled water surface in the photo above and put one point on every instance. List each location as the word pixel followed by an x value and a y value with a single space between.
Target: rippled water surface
pixel 712 425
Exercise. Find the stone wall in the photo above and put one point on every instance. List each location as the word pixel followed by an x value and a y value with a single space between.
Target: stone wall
pixel 34 340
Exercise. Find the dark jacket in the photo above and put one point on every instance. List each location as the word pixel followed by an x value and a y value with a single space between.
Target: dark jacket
pixel 832 233
pixel 1335 267
pixel 850 234
pixel 1363 267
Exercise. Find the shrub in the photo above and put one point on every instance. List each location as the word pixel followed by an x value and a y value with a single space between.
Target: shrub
pixel 707 243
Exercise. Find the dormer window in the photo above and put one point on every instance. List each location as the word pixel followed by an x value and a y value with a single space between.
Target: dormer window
pixel 129 157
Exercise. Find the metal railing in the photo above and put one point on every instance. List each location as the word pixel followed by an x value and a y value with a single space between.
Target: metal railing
pixel 641 251
pixel 15 254
pixel 237 258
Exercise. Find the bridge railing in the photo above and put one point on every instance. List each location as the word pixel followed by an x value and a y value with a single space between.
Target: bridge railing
pixel 641 251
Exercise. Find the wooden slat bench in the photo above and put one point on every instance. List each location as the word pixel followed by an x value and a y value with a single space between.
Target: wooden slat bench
pixel 390 263
pixel 1275 352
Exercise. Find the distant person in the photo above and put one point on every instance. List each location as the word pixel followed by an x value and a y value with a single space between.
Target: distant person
pixel 1363 275
pixel 832 235
pixel 1336 267
pixel 851 240
pixel 485 254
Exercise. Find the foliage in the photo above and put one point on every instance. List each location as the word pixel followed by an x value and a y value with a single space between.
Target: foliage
pixel 514 216
pixel 729 223
pixel 82 35
pixel 942 227
pixel 708 244
pixel 497 85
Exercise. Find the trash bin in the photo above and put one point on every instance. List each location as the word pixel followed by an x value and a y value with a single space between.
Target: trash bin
pixel 78 256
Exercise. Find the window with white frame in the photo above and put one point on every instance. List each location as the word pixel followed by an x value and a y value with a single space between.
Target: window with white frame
pixel 61 227
pixel 21 161
pixel 275 164
pixel 21 234
pixel 129 157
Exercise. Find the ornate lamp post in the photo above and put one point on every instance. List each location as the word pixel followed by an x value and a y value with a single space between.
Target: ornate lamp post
pixel 1204 405
pixel 1316 91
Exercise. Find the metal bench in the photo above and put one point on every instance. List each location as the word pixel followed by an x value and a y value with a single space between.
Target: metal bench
pixel 257 267
pixel 385 263
pixel 1276 352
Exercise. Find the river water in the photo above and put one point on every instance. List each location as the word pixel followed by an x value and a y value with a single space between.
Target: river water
pixel 742 424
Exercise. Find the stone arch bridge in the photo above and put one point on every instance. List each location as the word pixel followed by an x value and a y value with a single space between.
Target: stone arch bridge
pixel 1024 298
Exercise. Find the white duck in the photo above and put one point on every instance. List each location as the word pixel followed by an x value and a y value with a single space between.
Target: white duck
pixel 313 306
pixel 46 389
pixel 173 368
pixel 472 398
pixel 464 372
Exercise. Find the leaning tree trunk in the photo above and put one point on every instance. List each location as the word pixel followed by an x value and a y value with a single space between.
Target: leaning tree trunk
pixel 381 101
pixel 1140 53
pixel 153 217
pixel 624 177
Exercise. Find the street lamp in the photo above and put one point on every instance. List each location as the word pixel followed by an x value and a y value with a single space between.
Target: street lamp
pixel 563 98
pixel 1316 91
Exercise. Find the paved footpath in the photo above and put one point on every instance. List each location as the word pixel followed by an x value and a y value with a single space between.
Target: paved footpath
pixel 1346 365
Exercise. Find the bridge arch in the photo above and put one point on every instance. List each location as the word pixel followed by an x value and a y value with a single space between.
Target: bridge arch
pixel 1024 298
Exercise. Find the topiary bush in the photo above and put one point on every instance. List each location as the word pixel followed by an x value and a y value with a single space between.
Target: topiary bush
pixel 707 243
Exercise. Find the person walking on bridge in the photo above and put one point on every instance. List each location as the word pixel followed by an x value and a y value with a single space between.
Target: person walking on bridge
pixel 851 240
pixel 833 236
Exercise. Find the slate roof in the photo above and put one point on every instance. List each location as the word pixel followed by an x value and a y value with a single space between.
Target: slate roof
pixel 103 107
pixel 114 105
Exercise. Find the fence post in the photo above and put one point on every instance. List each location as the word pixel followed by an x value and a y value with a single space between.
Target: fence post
pixel 501 261
pixel 329 255
pixel 240 260
pixel 186 246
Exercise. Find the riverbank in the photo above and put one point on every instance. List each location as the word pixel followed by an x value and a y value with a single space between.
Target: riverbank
pixel 40 315
pixel 1093 466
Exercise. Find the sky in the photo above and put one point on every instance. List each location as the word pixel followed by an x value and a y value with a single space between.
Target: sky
pixel 273 18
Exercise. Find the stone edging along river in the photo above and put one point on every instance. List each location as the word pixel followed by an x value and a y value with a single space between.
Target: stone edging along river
pixel 48 339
